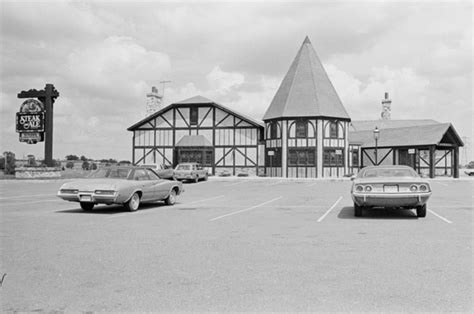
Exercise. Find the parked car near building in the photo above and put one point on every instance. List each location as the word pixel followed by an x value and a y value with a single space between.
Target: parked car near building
pixel 190 171
pixel 126 185
pixel 470 169
pixel 398 187
pixel 164 172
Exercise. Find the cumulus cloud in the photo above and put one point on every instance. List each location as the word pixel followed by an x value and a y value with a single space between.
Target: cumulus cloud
pixel 103 57
pixel 223 82
pixel 362 99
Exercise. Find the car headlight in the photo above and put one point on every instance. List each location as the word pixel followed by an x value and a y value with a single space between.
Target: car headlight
pixel 104 192
pixel 69 191
pixel 359 188
pixel 413 188
pixel 423 188
pixel 368 188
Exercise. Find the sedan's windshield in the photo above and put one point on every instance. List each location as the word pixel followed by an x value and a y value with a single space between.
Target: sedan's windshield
pixel 112 173
pixel 387 172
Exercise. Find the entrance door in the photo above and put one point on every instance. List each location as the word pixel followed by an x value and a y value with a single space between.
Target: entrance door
pixel 404 158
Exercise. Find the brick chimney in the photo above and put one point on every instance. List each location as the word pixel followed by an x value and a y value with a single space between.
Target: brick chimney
pixel 153 101
pixel 386 108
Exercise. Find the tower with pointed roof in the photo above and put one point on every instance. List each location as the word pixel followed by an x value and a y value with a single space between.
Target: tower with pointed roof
pixel 306 124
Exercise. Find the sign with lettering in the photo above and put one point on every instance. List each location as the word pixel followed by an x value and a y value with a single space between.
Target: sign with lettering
pixel 31 137
pixel 30 122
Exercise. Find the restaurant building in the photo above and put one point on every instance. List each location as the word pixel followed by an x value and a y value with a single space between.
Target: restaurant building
pixel 200 130
pixel 306 133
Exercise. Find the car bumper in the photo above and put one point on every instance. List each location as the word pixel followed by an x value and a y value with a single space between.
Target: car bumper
pixel 391 200
pixel 185 177
pixel 89 197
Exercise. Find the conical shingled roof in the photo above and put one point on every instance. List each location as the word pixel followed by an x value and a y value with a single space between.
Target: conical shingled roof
pixel 306 90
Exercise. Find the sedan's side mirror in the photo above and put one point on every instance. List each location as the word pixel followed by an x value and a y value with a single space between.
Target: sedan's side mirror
pixel 353 177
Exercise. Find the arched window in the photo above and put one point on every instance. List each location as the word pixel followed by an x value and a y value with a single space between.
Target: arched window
pixel 273 130
pixel 301 129
pixel 334 129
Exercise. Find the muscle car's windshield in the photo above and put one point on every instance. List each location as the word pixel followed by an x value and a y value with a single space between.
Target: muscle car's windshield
pixel 112 173
pixel 388 172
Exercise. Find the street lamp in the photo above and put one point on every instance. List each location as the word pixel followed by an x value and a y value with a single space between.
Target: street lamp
pixel 376 138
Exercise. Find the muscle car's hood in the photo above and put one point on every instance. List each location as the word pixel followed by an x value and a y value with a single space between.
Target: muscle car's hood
pixel 97 184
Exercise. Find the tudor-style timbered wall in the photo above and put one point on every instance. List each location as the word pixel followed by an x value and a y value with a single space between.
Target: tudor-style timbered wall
pixel 306 148
pixel 335 148
pixel 232 143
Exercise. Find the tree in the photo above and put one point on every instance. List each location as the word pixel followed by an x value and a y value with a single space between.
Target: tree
pixel 70 165
pixel 83 158
pixel 10 163
pixel 124 162
pixel 85 165
pixel 72 157
pixel 93 166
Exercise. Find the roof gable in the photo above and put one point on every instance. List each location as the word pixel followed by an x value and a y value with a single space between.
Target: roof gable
pixel 196 100
pixel 306 90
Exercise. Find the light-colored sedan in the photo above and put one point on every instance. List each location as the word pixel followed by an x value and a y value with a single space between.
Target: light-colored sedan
pixel 398 187
pixel 190 171
pixel 126 185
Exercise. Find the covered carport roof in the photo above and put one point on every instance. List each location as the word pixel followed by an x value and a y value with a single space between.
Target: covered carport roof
pixel 421 135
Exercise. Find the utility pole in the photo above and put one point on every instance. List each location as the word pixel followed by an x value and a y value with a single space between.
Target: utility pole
pixel 466 149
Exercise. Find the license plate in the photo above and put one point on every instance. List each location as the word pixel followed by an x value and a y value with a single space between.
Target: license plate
pixel 390 188
pixel 86 198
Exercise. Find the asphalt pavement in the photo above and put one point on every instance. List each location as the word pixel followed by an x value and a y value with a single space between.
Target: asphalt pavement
pixel 236 245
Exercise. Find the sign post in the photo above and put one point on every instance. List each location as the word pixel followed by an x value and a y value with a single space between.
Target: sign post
pixel 35 119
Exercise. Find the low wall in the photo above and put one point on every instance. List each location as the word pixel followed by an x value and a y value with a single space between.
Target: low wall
pixel 37 172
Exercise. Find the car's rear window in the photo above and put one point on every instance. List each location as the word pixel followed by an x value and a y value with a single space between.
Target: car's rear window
pixel 114 173
pixel 183 167
pixel 384 172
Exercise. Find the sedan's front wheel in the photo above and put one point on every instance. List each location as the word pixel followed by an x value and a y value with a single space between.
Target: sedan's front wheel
pixel 86 206
pixel 421 211
pixel 134 202
pixel 171 199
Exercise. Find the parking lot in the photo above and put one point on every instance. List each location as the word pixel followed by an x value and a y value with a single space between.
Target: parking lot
pixel 237 244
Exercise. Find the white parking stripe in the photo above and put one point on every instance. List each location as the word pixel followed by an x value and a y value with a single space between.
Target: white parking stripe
pixel 329 210
pixel 34 202
pixel 25 196
pixel 440 217
pixel 246 209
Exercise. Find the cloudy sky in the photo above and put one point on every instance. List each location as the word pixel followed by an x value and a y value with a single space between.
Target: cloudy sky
pixel 104 56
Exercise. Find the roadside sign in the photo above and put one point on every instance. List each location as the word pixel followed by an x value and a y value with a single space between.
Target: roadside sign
pixel 271 153
pixel 31 138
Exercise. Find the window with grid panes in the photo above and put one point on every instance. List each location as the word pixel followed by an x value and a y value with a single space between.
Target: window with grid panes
pixel 193 116
pixel 301 129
